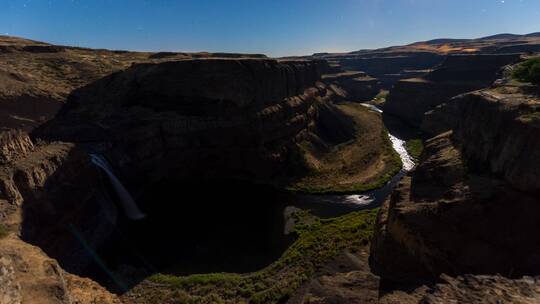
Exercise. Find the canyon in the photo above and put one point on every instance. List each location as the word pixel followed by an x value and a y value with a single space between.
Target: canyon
pixel 268 180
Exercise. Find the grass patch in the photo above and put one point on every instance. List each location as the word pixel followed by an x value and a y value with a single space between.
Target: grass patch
pixel 528 71
pixel 415 147
pixel 3 231
pixel 530 117
pixel 380 98
pixel 316 245
pixel 393 166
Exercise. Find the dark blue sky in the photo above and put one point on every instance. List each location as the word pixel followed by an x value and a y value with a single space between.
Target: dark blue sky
pixel 274 27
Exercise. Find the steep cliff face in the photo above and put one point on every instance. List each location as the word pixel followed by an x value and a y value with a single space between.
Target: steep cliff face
pixel 36 77
pixel 471 205
pixel 352 86
pixel 389 68
pixel 238 118
pixel 36 184
pixel 496 128
pixel 446 220
pixel 411 98
pixel 35 187
pixel 503 138
pixel 458 74
pixel 14 143
pixel 481 70
pixel 28 275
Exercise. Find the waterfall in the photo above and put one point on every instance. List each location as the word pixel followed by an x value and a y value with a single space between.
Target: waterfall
pixel 127 202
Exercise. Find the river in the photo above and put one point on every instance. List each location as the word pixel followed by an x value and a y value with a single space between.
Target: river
pixel 217 226
pixel 336 205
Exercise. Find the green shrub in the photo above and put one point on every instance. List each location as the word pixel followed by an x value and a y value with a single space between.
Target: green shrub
pixel 3 231
pixel 317 244
pixel 381 97
pixel 528 71
pixel 530 117
pixel 415 147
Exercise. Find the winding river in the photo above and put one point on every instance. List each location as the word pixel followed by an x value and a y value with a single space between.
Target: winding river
pixel 336 205
pixel 233 228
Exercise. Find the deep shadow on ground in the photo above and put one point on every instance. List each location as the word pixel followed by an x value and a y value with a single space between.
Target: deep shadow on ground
pixel 195 227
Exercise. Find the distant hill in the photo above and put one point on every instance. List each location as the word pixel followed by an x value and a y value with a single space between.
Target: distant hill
pixel 537 34
pixel 502 36
pixel 443 40
pixel 499 43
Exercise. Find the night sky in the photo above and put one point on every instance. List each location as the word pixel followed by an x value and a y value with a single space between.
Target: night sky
pixel 273 27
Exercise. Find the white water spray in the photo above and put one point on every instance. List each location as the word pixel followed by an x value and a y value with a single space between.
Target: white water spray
pixel 397 144
pixel 127 202
pixel 355 199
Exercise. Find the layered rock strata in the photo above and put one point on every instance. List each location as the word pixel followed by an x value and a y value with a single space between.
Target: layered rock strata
pixel 36 182
pixel 36 77
pixel 458 74
pixel 238 118
pixel 353 86
pixel 395 63
pixel 471 205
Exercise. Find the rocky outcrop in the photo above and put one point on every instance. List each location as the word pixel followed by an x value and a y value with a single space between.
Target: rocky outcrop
pixel 348 279
pixel 485 289
pixel 411 98
pixel 353 86
pixel 444 219
pixel 50 191
pixel 46 190
pixel 28 276
pixel 14 143
pixel 471 204
pixel 503 139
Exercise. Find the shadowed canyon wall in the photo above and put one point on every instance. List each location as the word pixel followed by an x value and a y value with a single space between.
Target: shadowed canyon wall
pixel 458 74
pixel 194 118
pixel 239 118
pixel 471 205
